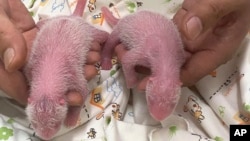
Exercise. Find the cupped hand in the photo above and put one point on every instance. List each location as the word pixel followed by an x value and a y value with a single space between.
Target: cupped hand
pixel 17 32
pixel 75 98
pixel 212 31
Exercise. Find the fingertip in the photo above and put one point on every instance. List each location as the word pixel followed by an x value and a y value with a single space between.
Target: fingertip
pixel 14 58
pixel 195 69
pixel 90 71
pixel 186 79
pixel 74 99
pixel 120 51
pixel 204 15
pixel 93 57
pixel 143 84
pixel 120 48
pixel 13 46
pixel 193 28
pixel 8 57
pixel 95 47
pixel 15 53
pixel 189 25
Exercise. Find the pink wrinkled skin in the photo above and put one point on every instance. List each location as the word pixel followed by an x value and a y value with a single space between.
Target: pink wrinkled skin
pixel 152 41
pixel 55 67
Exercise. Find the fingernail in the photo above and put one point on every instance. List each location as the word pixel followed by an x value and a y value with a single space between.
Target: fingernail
pixel 8 57
pixel 194 27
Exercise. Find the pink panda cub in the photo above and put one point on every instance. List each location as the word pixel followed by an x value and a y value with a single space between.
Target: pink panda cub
pixel 55 67
pixel 152 41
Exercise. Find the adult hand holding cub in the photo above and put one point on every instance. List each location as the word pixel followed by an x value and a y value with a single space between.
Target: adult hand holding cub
pixel 18 31
pixel 211 31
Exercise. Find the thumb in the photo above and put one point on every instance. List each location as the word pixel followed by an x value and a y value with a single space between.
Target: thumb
pixel 13 46
pixel 196 17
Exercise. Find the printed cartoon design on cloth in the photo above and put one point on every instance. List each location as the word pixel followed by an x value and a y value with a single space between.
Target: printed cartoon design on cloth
pixel 194 108
pixel 91 5
pixel 92 133
pixel 10 130
pixel 5 133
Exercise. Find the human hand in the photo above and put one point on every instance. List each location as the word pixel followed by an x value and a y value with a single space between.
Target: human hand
pixel 212 31
pixel 94 56
pixel 18 30
pixel 17 33
pixel 223 25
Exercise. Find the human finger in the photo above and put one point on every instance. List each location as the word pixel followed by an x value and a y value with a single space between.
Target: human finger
pixel 90 71
pixel 200 64
pixel 120 51
pixel 14 84
pixel 93 57
pixel 74 98
pixel 143 83
pixel 20 16
pixel 203 14
pixel 13 46
pixel 95 46
pixel 4 5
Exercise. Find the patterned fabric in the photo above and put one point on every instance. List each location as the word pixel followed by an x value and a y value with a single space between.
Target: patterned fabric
pixel 114 113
